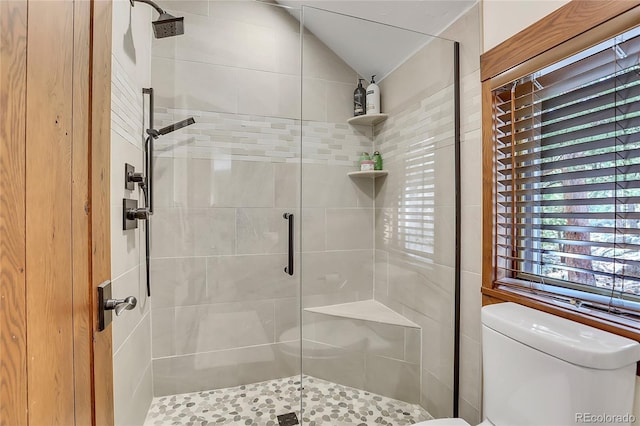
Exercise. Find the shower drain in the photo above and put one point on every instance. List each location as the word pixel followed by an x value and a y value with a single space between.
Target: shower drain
pixel 288 419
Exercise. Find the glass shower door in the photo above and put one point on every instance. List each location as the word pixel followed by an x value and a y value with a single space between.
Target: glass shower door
pixel 225 314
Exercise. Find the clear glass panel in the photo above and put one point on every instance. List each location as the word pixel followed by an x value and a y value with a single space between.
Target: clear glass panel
pixel 378 254
pixel 225 314
pixel 271 137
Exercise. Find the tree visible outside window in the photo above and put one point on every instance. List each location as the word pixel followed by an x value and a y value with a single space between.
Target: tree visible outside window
pixel 567 205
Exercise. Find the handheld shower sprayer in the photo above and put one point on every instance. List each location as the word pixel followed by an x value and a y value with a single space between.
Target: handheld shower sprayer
pixel 171 128
pixel 167 25
pixel 155 134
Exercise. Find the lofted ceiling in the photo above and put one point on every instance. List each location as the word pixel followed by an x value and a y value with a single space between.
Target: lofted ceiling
pixel 371 48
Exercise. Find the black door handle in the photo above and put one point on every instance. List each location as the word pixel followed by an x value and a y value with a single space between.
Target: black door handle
pixel 289 268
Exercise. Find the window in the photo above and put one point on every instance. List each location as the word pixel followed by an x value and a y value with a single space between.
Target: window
pixel 566 182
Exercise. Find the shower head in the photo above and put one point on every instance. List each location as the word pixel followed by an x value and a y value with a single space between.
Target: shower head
pixel 171 128
pixel 167 25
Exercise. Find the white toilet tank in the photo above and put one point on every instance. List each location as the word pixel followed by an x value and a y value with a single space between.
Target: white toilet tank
pixel 540 369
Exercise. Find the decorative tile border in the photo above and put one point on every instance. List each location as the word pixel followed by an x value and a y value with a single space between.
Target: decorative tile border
pixel 126 105
pixel 257 138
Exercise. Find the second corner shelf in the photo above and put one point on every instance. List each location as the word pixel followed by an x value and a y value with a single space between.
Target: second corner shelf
pixel 371 174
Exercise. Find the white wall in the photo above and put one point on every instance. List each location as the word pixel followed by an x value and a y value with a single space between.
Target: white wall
pixel 132 330
pixel 504 18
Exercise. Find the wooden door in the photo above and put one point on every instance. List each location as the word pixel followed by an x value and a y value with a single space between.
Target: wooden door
pixel 54 211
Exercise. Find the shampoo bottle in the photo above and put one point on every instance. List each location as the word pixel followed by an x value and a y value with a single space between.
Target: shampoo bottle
pixel 359 99
pixel 373 97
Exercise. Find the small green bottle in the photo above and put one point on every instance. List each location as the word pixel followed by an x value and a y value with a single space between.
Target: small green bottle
pixel 377 161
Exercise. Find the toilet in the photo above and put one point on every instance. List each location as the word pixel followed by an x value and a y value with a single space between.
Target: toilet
pixel 543 370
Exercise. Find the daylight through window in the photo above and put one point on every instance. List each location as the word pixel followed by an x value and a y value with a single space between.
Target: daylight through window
pixel 567 155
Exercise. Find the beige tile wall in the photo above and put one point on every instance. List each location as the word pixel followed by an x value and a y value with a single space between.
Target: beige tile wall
pixel 414 211
pixel 414 269
pixel 414 219
pixel 132 330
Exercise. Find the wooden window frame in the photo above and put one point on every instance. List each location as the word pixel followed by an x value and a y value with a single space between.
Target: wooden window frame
pixel 572 28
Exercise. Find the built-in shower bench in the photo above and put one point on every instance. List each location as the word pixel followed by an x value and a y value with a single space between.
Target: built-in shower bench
pixel 365 310
pixel 365 345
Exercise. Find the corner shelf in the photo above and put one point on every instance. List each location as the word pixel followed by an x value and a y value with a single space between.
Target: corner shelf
pixel 365 310
pixel 371 174
pixel 368 119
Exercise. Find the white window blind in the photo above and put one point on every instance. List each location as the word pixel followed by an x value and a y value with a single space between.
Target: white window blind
pixel 567 155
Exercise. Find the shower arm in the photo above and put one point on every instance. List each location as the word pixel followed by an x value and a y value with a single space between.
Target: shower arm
pixel 150 3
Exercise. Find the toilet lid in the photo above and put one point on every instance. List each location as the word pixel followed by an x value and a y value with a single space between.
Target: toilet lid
pixel 443 422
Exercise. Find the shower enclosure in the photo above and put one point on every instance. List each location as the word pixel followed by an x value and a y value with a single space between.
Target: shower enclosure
pixel 283 284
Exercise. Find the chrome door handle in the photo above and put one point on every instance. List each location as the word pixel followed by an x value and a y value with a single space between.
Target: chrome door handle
pixel 106 304
pixel 119 305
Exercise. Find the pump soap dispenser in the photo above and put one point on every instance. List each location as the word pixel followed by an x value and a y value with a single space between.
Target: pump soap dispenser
pixel 373 97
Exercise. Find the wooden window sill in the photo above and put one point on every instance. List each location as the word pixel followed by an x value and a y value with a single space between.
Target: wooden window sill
pixel 601 320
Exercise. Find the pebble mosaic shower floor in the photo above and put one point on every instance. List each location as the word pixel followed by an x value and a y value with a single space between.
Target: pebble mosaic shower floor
pixel 259 404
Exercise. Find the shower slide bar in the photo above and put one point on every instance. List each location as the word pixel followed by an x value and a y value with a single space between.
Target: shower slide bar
pixel 145 180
